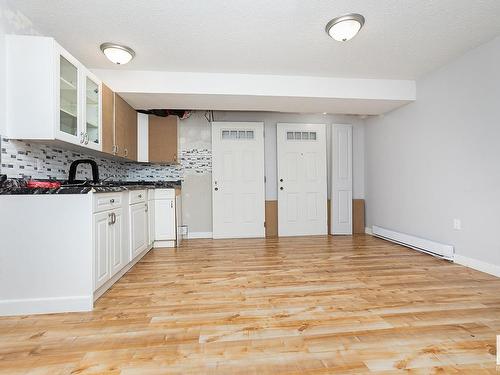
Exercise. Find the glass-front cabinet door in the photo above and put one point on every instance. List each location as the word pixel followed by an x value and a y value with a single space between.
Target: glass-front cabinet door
pixel 92 136
pixel 79 117
pixel 68 99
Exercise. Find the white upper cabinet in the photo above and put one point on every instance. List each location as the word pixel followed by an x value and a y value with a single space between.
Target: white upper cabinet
pixel 50 94
pixel 92 112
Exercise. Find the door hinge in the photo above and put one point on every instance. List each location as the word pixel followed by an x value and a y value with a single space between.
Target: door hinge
pixel 264 224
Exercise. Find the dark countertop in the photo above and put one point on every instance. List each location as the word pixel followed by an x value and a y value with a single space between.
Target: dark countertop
pixel 158 185
pixel 18 187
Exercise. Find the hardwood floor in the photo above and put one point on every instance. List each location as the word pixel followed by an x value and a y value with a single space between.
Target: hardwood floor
pixel 309 305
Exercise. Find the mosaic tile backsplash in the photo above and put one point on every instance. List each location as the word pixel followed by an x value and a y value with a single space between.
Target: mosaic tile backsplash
pixel 21 159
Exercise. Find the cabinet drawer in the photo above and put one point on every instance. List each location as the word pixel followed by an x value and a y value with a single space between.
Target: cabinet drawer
pixel 164 193
pixel 107 201
pixel 137 196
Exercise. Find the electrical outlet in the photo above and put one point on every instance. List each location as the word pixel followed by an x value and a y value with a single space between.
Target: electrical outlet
pixel 457 224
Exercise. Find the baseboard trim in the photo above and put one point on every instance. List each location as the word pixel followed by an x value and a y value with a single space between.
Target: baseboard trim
pixel 193 235
pixel 158 244
pixel 45 305
pixel 478 265
pixel 369 231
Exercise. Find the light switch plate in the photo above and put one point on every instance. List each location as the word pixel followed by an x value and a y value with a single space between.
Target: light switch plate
pixel 457 224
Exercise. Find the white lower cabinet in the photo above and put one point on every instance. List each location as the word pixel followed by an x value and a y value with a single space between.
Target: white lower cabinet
pixel 120 234
pixel 165 219
pixel 119 256
pixel 139 228
pixel 101 224
pixel 125 225
pixel 109 245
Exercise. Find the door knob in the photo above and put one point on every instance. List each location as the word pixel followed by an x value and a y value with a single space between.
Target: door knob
pixel 216 189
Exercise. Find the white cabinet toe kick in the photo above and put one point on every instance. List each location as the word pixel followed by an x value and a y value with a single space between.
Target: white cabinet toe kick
pixel 63 252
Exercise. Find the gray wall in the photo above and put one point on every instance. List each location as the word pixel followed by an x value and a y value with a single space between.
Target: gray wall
pixel 438 159
pixel 195 132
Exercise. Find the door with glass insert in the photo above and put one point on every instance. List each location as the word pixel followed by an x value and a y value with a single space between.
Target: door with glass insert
pixel 68 100
pixel 92 125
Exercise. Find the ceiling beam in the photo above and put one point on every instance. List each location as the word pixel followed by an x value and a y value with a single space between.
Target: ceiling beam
pixel 258 92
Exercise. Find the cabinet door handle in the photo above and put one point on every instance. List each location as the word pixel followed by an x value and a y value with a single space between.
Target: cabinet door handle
pixel 111 201
pixel 146 208
pixel 171 204
pixel 110 221
pixel 125 152
pixel 116 149
pixel 114 218
pixel 86 138
pixel 140 195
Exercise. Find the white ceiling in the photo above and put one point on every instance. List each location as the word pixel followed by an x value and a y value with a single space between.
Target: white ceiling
pixel 402 39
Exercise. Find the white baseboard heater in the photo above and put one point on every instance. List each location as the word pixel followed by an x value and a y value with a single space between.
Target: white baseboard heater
pixel 430 247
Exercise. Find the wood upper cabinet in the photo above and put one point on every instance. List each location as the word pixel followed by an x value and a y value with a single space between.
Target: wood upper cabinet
pixel 162 142
pixel 125 129
pixel 158 142
pixel 108 123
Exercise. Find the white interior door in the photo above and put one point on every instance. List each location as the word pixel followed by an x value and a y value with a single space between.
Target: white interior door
pixel 302 185
pixel 341 212
pixel 238 179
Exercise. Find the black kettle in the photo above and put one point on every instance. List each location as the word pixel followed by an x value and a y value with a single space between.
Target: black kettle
pixel 76 163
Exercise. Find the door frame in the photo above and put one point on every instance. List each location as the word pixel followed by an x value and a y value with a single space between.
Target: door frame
pixel 219 125
pixel 341 180
pixel 320 127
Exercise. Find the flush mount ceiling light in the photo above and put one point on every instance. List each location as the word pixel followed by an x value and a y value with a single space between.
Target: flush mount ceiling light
pixel 345 27
pixel 117 54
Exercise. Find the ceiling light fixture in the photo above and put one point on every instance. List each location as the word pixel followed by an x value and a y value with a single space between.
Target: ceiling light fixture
pixel 117 54
pixel 345 27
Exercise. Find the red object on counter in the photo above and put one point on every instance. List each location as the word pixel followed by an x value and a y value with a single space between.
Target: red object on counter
pixel 33 184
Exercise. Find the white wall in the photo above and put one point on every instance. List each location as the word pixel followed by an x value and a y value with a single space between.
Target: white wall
pixel 439 158
pixel 195 132
pixel 2 67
